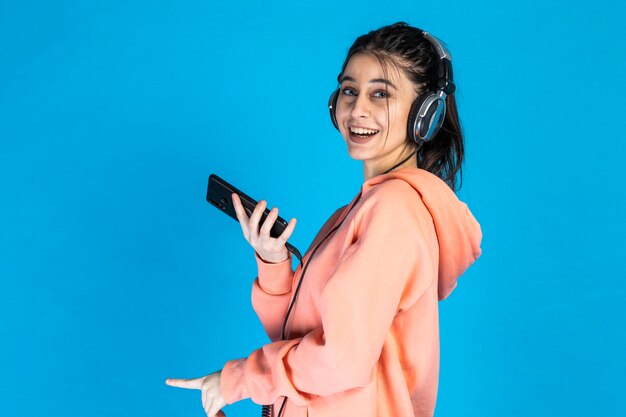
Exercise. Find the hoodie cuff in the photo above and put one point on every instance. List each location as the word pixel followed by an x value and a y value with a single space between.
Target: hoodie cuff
pixel 274 278
pixel 232 385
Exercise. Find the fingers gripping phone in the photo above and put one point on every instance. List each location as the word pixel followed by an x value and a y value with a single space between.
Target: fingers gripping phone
pixel 219 193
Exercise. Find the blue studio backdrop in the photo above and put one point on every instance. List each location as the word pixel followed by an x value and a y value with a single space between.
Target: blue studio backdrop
pixel 116 274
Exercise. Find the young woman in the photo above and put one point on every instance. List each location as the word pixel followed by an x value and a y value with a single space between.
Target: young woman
pixel 354 328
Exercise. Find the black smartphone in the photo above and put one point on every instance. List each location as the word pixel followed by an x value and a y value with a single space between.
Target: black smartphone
pixel 219 194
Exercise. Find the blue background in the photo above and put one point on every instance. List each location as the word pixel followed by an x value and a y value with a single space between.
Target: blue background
pixel 116 274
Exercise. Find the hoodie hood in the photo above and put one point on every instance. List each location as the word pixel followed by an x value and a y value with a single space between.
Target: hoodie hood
pixel 458 233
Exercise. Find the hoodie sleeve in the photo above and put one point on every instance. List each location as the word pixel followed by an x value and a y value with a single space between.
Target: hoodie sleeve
pixel 271 290
pixel 388 260
pixel 271 293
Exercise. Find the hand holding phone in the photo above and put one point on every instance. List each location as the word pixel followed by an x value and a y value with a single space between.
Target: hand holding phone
pixel 268 248
pixel 270 241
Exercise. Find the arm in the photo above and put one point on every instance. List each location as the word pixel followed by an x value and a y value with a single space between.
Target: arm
pixel 388 260
pixel 271 290
pixel 271 293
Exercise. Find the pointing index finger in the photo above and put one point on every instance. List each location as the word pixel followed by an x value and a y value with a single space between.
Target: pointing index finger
pixel 193 383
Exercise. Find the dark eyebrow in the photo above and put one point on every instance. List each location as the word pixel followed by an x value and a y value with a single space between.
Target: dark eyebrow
pixel 375 80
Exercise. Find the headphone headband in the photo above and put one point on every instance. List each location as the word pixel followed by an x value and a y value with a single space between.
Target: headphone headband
pixel 445 81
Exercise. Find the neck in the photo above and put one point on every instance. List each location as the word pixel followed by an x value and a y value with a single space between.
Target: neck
pixel 408 159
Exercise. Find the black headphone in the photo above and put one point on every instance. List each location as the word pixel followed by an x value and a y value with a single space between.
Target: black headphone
pixel 428 110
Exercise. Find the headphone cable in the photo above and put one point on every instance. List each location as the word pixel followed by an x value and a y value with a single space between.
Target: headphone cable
pixel 267 409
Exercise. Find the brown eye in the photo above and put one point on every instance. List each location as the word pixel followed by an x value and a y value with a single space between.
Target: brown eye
pixel 381 94
pixel 347 91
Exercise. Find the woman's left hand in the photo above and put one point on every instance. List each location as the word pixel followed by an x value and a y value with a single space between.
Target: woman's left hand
pixel 212 399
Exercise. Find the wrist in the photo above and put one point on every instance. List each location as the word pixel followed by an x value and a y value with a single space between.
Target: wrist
pixel 277 260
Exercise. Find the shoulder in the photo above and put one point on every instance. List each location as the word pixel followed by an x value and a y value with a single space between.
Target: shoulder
pixel 392 213
pixel 393 195
pixel 390 205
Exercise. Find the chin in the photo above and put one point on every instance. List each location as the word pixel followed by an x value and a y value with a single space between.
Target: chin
pixel 359 154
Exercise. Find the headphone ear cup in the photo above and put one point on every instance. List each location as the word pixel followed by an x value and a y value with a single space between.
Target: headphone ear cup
pixel 332 107
pixel 414 118
pixel 437 113
pixel 426 117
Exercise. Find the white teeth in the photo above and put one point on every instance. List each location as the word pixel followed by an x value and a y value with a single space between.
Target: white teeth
pixel 361 131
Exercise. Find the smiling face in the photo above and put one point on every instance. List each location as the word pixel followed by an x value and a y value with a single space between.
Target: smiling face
pixel 372 108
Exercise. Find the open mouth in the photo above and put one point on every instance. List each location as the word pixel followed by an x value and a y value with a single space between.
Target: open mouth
pixel 361 132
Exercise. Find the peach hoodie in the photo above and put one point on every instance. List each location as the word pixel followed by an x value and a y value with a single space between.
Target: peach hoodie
pixel 364 332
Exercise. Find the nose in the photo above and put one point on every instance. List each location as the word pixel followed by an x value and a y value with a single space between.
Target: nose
pixel 360 107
